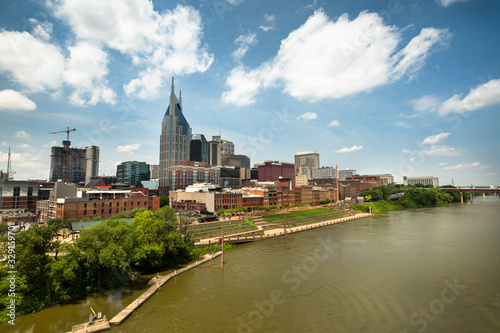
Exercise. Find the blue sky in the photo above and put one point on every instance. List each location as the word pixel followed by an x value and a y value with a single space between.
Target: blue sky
pixel 404 87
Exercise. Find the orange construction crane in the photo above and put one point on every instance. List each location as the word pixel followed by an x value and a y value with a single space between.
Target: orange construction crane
pixel 66 144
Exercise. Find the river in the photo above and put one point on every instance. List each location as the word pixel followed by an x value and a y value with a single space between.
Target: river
pixel 419 270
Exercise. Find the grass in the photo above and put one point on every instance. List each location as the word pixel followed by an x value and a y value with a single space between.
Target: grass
pixel 297 213
pixel 379 207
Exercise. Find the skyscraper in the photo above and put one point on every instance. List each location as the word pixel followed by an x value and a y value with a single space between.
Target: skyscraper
pixel 199 150
pixel 131 172
pixel 174 140
pixel 91 163
pixel 308 158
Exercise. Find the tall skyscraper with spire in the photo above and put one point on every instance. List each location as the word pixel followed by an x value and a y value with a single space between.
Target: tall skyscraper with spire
pixel 174 140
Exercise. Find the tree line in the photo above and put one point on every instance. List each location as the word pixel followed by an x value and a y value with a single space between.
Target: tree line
pixel 104 256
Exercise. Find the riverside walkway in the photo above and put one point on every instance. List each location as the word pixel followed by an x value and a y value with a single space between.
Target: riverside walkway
pixel 261 234
pixel 157 282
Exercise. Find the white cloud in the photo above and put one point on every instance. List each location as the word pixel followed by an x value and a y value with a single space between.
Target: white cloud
pixel 433 139
pixel 446 3
pixel 269 25
pixel 31 62
pixel 402 124
pixel 475 165
pixel 22 135
pixel 128 148
pixel 14 100
pixel 86 70
pixel 159 44
pixel 41 30
pixel 234 2
pixel 325 59
pixel 406 151
pixel 349 150
pixel 244 42
pixel 308 116
pixel 4 144
pixel 443 164
pixel 442 150
pixel 334 123
pixel 28 164
pixel 484 95
pixel 426 103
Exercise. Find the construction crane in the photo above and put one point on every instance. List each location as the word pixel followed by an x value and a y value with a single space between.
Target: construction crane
pixel 66 144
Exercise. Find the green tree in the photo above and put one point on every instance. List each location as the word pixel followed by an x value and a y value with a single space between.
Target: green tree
pixel 164 201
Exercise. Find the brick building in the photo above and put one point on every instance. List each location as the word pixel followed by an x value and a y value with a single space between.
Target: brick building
pixel 191 172
pixel 356 183
pixel 80 209
pixel 275 171
pixel 17 194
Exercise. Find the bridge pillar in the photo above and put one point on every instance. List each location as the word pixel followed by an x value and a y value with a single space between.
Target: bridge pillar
pixel 461 198
pixel 484 195
pixel 470 197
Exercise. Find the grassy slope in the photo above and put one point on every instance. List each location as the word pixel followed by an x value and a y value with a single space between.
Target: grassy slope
pixel 297 213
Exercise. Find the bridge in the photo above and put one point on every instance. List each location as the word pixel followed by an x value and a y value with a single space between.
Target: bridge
pixel 471 190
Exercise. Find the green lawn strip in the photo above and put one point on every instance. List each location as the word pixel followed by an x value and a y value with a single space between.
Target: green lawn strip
pixel 296 213
pixel 217 231
pixel 214 232
pixel 308 218
pixel 217 234
pixel 219 226
pixel 312 220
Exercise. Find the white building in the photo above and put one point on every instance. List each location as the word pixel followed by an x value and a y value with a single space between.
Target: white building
pixel 434 181
pixel 328 172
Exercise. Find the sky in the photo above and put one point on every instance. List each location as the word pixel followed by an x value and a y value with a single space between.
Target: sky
pixel 406 87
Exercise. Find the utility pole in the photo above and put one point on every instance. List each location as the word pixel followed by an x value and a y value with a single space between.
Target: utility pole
pixel 66 144
pixel 337 178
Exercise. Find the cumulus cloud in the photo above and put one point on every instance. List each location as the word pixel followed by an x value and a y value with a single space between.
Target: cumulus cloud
pixel 349 150
pixel 22 135
pixel 475 165
pixel 433 139
pixel 159 44
pixel 484 95
pixel 334 123
pixel 443 164
pixel 325 59
pixel 426 103
pixel 86 71
pixel 269 25
pixel 244 42
pixel 446 3
pixel 128 148
pixel 32 63
pixel 308 116
pixel 41 30
pixel 442 150
pixel 406 151
pixel 14 100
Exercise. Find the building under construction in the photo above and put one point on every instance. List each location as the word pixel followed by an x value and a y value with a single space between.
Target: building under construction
pixel 83 164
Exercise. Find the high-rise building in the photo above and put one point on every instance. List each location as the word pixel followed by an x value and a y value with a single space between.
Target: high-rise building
pixel 345 173
pixel 199 150
pixel 274 171
pixel 76 164
pixel 154 171
pixel 131 172
pixel 215 152
pixel 190 172
pixel 241 161
pixel 325 172
pixel 309 158
pixel 91 163
pixel 227 148
pixel 174 140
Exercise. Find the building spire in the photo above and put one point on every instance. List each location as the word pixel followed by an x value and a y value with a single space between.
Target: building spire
pixel 180 96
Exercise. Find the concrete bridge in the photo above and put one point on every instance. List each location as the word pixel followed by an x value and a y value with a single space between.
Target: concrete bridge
pixel 471 190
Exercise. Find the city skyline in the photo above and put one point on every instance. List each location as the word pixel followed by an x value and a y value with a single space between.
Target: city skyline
pixel 407 88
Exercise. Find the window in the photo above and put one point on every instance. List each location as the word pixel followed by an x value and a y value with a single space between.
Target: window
pixel 84 212
pixel 85 205
pixel 95 212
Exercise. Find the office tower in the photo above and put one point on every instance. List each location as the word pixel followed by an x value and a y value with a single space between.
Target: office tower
pixel 309 158
pixel 199 150
pixel 91 163
pixel 174 140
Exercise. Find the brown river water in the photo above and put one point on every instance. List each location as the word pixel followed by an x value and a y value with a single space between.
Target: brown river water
pixel 420 270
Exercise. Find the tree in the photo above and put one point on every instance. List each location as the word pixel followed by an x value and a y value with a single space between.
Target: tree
pixel 164 201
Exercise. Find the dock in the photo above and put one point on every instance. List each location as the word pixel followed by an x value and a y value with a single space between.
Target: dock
pixel 157 282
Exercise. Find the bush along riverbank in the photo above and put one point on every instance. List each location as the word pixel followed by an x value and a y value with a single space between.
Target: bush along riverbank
pixel 410 197
pixel 104 256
